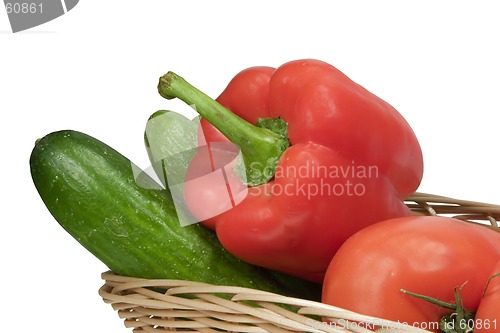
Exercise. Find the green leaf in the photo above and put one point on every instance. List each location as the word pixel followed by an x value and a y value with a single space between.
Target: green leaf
pixel 171 141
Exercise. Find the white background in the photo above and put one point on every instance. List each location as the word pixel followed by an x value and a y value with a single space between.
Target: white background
pixel 95 70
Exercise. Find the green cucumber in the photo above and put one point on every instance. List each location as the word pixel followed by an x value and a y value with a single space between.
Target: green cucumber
pixel 129 222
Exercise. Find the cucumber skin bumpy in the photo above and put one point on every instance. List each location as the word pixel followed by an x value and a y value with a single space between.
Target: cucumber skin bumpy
pixel 93 193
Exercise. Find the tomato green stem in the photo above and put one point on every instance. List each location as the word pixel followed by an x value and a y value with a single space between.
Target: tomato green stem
pixel 431 300
pixel 488 283
pixel 260 148
pixel 458 321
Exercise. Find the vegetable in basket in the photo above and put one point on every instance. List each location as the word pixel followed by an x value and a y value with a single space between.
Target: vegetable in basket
pixel 129 222
pixel 424 255
pixel 325 159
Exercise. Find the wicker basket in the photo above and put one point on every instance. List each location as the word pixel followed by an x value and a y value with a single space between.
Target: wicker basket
pixel 249 310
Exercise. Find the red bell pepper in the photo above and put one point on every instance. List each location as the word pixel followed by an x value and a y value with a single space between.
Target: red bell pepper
pixel 335 159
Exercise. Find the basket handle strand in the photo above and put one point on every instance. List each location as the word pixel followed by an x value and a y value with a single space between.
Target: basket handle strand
pixel 470 211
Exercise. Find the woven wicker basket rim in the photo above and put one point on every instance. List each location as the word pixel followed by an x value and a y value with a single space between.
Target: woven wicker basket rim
pixel 472 211
pixel 206 310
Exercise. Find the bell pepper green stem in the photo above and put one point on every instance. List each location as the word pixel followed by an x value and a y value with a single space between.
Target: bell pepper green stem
pixel 260 148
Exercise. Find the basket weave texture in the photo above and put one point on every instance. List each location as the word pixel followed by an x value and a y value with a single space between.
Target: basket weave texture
pixel 189 306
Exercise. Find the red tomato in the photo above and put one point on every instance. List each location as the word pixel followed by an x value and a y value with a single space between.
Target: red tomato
pixel 425 255
pixel 487 318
